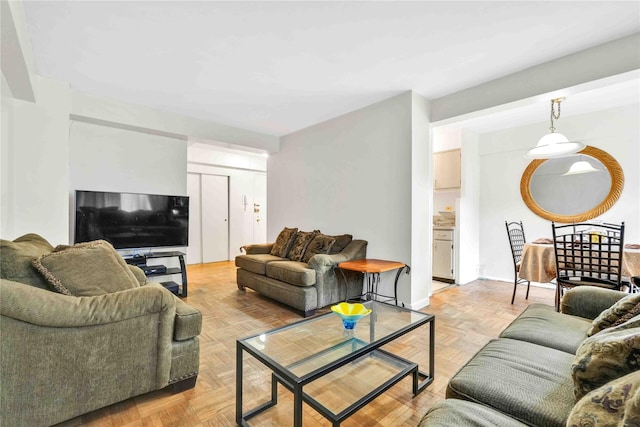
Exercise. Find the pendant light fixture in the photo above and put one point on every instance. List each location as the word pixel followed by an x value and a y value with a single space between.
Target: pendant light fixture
pixel 554 144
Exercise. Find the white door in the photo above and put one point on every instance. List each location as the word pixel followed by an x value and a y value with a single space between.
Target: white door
pixel 260 208
pixel 215 218
pixel 194 250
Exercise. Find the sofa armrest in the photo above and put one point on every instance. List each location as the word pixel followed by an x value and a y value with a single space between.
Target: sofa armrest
pixel 188 321
pixel 357 249
pixel 589 301
pixel 137 271
pixel 260 248
pixel 26 303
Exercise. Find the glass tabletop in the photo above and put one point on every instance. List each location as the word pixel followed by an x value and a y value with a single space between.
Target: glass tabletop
pixel 312 344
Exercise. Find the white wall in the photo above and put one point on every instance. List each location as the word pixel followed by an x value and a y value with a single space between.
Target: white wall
pixel 35 165
pixel 105 158
pixel 502 161
pixel 468 211
pixel 352 174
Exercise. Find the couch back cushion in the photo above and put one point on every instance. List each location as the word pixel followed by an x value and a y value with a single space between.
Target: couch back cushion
pixel 302 240
pixel 16 257
pixel 283 242
pixel 627 306
pixel 609 405
pixel 605 356
pixel 86 269
pixel 320 244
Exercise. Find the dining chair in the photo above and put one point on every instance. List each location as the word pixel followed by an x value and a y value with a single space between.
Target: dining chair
pixel 515 232
pixel 587 254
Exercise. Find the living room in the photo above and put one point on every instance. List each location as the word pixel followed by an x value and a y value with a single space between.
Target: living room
pixel 342 172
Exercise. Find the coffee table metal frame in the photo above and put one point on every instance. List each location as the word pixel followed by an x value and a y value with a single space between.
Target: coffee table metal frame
pixel 360 350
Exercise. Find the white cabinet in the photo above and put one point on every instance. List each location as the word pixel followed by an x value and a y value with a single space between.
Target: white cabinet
pixel 446 169
pixel 443 255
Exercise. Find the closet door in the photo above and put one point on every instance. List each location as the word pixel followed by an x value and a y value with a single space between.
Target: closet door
pixel 214 191
pixel 194 250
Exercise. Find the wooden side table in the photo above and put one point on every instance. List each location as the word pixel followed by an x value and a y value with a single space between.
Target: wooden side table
pixel 371 268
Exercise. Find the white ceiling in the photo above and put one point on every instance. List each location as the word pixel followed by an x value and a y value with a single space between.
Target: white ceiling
pixel 277 67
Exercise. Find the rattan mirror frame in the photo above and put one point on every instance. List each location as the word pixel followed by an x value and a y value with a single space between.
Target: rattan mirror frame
pixel 617 183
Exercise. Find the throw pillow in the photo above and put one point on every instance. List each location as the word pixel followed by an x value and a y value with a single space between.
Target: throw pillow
pixel 605 356
pixel 610 316
pixel 342 242
pixel 303 238
pixel 86 269
pixel 609 404
pixel 632 410
pixel 283 242
pixel 321 244
pixel 16 257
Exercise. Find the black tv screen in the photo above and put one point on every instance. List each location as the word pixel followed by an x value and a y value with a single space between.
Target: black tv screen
pixel 130 220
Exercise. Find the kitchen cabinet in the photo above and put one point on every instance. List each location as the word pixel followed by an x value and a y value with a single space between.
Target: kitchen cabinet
pixel 443 255
pixel 446 169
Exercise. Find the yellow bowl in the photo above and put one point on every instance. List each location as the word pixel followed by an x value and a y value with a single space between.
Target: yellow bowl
pixel 350 311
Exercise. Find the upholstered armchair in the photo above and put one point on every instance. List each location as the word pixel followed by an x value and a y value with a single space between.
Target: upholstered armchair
pixel 64 355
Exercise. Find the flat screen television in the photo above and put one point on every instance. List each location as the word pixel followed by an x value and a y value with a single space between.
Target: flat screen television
pixel 130 220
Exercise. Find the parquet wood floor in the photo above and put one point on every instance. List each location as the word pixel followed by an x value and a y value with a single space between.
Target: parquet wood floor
pixel 467 317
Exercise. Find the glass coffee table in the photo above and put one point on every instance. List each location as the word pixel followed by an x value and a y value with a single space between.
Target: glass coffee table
pixel 334 373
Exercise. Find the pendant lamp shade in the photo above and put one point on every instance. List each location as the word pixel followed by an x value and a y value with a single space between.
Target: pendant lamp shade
pixel 554 144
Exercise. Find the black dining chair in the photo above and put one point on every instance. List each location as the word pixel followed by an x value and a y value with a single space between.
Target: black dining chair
pixel 515 232
pixel 587 254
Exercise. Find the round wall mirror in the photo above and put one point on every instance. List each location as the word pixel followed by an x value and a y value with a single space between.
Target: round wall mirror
pixel 555 192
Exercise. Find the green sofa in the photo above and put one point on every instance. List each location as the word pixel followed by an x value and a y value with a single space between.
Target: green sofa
pixel 295 272
pixel 579 367
pixel 65 355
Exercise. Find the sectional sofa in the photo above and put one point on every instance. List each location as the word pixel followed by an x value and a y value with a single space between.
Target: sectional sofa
pixel 579 367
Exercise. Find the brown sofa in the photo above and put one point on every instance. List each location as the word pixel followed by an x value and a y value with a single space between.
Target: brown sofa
pixel 80 330
pixel 300 269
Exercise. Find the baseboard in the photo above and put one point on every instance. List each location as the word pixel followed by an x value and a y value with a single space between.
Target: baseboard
pixel 417 305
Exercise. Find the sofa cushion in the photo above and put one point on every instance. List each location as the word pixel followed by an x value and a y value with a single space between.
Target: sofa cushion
pixel 320 244
pixel 609 404
pixel 611 315
pixel 283 242
pixel 542 324
pixel 302 240
pixel 456 412
pixel 605 356
pixel 86 269
pixel 256 263
pixel 529 382
pixel 341 242
pixel 292 272
pixel 16 257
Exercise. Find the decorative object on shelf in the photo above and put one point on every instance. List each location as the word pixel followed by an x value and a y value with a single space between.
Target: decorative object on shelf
pixel 554 144
pixel 350 314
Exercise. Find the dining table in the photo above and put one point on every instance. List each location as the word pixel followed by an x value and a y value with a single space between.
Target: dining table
pixel 538 263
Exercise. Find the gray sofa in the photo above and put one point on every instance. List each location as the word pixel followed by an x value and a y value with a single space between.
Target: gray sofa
pixel 305 285
pixel 554 369
pixel 116 336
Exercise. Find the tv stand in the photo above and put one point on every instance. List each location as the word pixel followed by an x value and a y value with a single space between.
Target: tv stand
pixel 180 289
